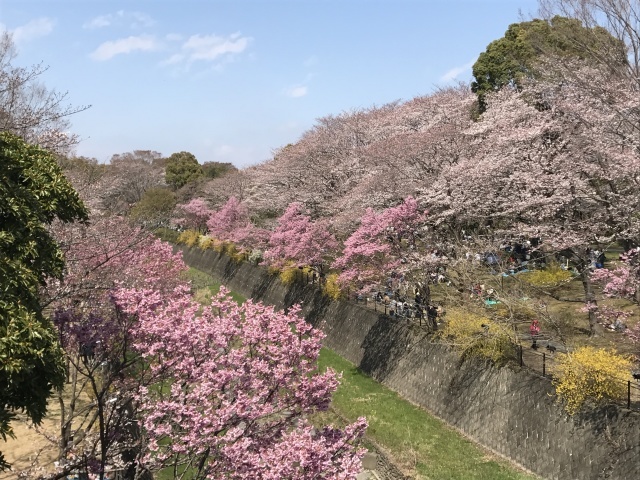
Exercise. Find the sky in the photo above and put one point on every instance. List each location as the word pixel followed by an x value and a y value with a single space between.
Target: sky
pixel 232 81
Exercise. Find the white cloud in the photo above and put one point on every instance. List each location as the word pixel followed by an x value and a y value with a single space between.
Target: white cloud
pixel 211 47
pixel 140 20
pixel 174 37
pixel 296 91
pixel 112 48
pixel 120 18
pixel 39 27
pixel 455 72
pixel 173 59
pixel 98 22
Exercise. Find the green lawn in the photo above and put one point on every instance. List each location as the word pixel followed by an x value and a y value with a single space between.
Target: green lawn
pixel 204 286
pixel 420 443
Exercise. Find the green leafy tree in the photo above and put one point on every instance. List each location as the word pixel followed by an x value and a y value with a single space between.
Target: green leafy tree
pixel 217 169
pixel 154 207
pixel 182 168
pixel 516 56
pixel 33 193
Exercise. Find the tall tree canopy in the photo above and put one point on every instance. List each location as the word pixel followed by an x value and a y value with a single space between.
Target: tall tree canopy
pixel 33 193
pixel 517 56
pixel 182 168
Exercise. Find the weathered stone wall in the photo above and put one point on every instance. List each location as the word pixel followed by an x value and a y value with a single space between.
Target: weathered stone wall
pixel 508 411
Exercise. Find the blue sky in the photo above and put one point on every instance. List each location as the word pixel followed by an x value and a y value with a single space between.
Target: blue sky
pixel 231 81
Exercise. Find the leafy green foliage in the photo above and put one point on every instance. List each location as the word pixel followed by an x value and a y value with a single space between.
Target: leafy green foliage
pixel 154 207
pixel 515 57
pixel 217 169
pixel 33 193
pixel 166 234
pixel 182 168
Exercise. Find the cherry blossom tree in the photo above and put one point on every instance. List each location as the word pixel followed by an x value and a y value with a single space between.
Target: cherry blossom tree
pixel 380 244
pixel 232 223
pixel 624 280
pixel 240 382
pixel 102 256
pixel 323 165
pixel 195 215
pixel 550 163
pixel 218 191
pixel 129 176
pixel 300 241
pixel 231 216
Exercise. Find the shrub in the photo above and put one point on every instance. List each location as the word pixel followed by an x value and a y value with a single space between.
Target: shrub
pixel 218 245
pixel 232 251
pixel 331 287
pixel 256 256
pixel 189 238
pixel 476 335
pixel 552 276
pixel 205 242
pixel 591 373
pixel 273 270
pixel 167 235
pixel 289 274
pixel 516 311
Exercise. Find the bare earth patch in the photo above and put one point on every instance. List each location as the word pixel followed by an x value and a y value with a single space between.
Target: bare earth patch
pixel 33 444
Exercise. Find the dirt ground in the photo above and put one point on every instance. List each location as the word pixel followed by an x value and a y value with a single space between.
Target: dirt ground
pixel 31 444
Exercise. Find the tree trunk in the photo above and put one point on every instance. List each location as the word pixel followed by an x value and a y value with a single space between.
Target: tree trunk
pixel 590 301
pixel 66 416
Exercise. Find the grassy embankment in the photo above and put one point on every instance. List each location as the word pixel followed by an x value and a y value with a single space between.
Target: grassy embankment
pixel 423 446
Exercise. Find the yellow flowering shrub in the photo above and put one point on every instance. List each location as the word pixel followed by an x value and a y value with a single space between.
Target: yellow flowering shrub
pixel 472 334
pixel 331 287
pixel 591 373
pixel 205 242
pixel 551 276
pixel 273 270
pixel 189 238
pixel 231 250
pixel 289 274
pixel 219 246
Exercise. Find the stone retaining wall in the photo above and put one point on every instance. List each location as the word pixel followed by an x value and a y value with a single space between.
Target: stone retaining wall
pixel 510 412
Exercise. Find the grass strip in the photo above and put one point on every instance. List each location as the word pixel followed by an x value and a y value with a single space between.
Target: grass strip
pixel 419 443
